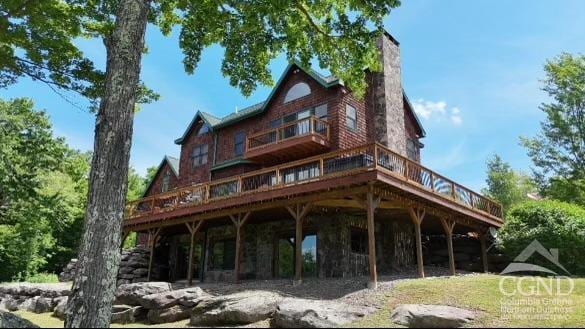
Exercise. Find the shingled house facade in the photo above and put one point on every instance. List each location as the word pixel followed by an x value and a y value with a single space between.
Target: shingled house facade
pixel 311 182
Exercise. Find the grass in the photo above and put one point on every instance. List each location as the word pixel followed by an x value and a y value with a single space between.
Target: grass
pixel 43 278
pixel 45 320
pixel 482 293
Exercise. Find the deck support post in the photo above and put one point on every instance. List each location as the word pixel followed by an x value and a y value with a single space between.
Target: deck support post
pixel 417 215
pixel 371 205
pixel 239 220
pixel 193 230
pixel 299 212
pixel 448 226
pixel 484 257
pixel 152 237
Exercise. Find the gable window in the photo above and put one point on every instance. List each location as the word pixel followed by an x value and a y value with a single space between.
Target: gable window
pixel 223 255
pixel 321 112
pixel 199 155
pixel 239 143
pixel 297 91
pixel 203 130
pixel 412 149
pixel 359 241
pixel 351 117
pixel 166 182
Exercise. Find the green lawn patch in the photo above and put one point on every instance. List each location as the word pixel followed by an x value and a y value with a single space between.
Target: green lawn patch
pixel 482 293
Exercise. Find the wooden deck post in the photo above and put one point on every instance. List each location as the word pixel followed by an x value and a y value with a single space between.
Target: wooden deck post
pixel 371 206
pixel 484 257
pixel 448 226
pixel 239 220
pixel 125 235
pixel 193 230
pixel 417 215
pixel 152 236
pixel 299 212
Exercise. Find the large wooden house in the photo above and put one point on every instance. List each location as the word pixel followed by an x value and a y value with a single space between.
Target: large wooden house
pixel 311 182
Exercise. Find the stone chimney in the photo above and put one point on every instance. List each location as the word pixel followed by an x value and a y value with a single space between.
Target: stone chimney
pixel 387 99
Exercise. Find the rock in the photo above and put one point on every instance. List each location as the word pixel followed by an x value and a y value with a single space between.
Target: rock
pixel 48 290
pixel 239 308
pixel 187 297
pixel 127 314
pixel 60 308
pixel 432 316
pixel 132 293
pixel 37 305
pixel 140 272
pixel 304 313
pixel 9 320
pixel 168 315
pixel 139 280
pixel 126 270
pixel 11 304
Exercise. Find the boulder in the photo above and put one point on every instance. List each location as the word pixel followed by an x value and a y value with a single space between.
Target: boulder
pixel 140 272
pixel 187 297
pixel 9 320
pixel 239 308
pixel 60 308
pixel 305 313
pixel 127 314
pixel 126 270
pixel 38 305
pixel 132 293
pixel 432 316
pixel 168 315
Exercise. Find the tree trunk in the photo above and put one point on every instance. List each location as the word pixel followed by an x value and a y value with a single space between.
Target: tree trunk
pixel 90 303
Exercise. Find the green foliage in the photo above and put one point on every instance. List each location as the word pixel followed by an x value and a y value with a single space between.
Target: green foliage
pixel 43 278
pixel 43 194
pixel 555 224
pixel 337 33
pixel 130 241
pixel 558 153
pixel 136 185
pixel 506 185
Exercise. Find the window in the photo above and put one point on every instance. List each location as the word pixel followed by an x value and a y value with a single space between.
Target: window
pixel 166 182
pixel 321 112
pixel 412 150
pixel 199 156
pixel 297 91
pixel 239 143
pixel 351 117
pixel 203 130
pixel 223 255
pixel 359 240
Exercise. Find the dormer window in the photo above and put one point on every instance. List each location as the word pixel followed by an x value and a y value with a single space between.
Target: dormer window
pixel 297 91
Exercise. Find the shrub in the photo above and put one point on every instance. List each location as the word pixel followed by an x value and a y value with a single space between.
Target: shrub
pixel 43 278
pixel 556 225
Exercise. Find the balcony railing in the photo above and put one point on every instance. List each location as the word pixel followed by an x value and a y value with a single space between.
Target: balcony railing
pixel 304 127
pixel 368 157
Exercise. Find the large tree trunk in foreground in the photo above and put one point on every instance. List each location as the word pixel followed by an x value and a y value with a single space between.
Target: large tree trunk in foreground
pixel 90 304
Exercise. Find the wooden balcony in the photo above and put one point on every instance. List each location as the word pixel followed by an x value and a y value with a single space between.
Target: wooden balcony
pixel 294 140
pixel 369 164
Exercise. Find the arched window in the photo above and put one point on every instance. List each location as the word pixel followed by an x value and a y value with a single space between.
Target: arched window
pixel 203 130
pixel 297 91
pixel 166 182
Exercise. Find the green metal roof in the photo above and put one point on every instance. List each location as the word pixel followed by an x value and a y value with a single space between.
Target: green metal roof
pixel 230 163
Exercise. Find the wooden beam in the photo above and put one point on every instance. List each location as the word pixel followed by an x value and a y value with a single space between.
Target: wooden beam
pixel 125 235
pixel 239 220
pixel 484 257
pixel 193 230
pixel 153 234
pixel 299 212
pixel 417 215
pixel 448 226
pixel 371 204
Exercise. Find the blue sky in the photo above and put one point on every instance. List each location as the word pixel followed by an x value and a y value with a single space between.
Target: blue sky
pixel 472 68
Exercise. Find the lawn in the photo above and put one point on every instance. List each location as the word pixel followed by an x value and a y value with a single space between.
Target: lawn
pixel 482 293
pixel 45 320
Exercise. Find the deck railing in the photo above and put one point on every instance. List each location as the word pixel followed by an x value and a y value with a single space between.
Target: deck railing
pixel 303 127
pixel 364 158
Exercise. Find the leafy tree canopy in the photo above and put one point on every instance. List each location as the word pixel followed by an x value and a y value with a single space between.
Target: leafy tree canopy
pixel 558 153
pixel 505 185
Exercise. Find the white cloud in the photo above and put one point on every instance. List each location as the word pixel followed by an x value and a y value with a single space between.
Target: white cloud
pixel 438 111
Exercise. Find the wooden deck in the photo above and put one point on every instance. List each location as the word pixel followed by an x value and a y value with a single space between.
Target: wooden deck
pixel 331 178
